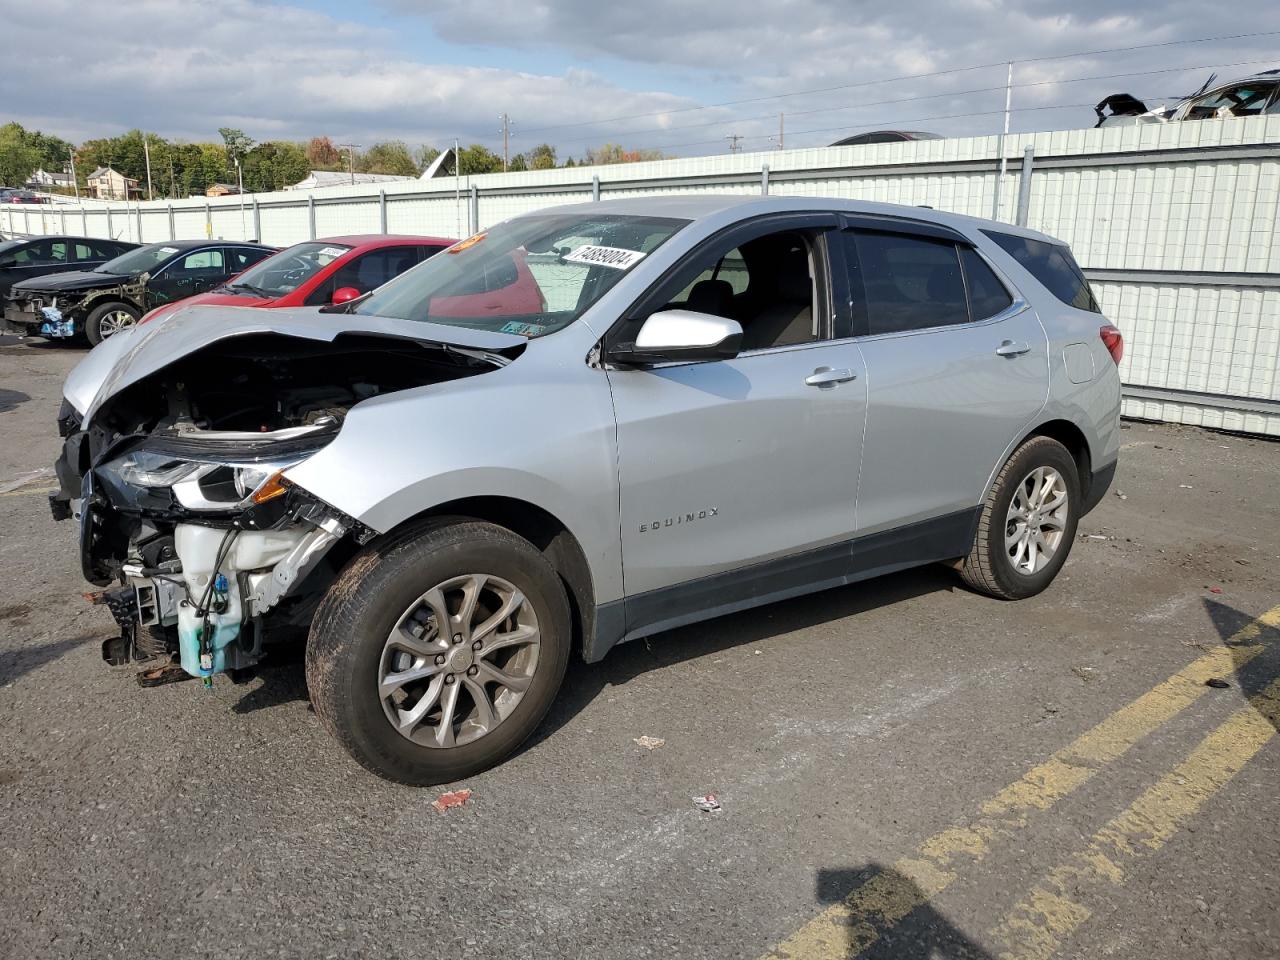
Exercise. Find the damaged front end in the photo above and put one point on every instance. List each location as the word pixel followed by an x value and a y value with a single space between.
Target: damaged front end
pixel 179 484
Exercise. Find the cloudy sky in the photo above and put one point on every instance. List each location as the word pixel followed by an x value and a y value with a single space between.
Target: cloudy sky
pixel 668 74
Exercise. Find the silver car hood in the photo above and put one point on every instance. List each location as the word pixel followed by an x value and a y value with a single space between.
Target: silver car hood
pixel 128 357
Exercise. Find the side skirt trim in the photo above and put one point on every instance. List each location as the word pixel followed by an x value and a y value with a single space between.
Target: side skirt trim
pixel 836 565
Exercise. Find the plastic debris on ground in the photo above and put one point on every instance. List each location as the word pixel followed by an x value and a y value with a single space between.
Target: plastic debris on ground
pixel 1215 589
pixel 708 803
pixel 1218 683
pixel 454 798
pixel 650 743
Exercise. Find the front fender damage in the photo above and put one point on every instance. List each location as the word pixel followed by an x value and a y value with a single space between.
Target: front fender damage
pixel 179 479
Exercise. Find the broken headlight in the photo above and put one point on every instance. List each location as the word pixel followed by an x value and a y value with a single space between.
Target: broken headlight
pixel 204 484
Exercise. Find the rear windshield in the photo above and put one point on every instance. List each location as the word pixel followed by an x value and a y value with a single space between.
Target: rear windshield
pixel 1053 265
pixel 529 276
pixel 287 270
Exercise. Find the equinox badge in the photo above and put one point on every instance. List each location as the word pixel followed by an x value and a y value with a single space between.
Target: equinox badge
pixel 679 519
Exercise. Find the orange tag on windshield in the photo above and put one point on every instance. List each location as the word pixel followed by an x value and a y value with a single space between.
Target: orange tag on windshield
pixel 471 241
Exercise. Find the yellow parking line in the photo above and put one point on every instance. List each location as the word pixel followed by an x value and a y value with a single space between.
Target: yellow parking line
pixel 856 922
pixel 1038 925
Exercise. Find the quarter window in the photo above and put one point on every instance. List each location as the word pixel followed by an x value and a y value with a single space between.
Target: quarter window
pixel 910 283
pixel 1051 264
pixel 987 295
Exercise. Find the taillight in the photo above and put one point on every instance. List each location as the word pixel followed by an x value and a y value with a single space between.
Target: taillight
pixel 1113 339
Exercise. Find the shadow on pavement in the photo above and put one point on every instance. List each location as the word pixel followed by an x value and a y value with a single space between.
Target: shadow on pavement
pixel 1252 673
pixel 12 399
pixel 923 934
pixel 585 681
pixel 21 661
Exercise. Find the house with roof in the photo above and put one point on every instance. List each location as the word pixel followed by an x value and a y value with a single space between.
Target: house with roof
pixel 221 190
pixel 339 178
pixel 107 183
pixel 44 179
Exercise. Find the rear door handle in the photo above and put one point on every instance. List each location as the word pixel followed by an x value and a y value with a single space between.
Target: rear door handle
pixel 825 377
pixel 1010 348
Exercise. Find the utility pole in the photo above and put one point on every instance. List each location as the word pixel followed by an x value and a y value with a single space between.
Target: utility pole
pixel 457 191
pixel 74 182
pixel 733 139
pixel 146 153
pixel 244 232
pixel 1008 101
pixel 506 139
pixel 351 159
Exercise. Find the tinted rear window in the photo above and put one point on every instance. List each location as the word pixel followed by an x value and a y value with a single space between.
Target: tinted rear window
pixel 987 295
pixel 1051 264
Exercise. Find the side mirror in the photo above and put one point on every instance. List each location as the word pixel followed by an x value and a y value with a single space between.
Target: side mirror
pixel 345 295
pixel 681 336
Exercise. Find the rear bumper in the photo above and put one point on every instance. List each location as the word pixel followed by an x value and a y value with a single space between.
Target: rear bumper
pixel 1101 482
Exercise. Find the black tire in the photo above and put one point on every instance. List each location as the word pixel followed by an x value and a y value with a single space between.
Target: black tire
pixel 93 322
pixel 361 608
pixel 989 568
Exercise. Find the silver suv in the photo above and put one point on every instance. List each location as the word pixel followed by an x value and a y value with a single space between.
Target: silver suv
pixel 579 427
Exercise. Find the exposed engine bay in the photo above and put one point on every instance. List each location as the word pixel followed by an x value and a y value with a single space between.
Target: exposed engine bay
pixel 179 485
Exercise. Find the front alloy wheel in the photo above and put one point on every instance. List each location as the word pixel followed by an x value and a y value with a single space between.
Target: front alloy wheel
pixel 459 660
pixel 436 653
pixel 114 321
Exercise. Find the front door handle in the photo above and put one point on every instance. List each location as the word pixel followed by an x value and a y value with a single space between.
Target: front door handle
pixel 826 377
pixel 1010 348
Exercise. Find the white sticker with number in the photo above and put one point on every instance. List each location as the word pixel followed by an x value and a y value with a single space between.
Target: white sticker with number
pixel 615 257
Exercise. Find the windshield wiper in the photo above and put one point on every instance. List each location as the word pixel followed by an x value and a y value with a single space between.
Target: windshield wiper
pixel 256 291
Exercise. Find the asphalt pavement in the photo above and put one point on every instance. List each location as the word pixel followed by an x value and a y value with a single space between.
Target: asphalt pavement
pixel 905 768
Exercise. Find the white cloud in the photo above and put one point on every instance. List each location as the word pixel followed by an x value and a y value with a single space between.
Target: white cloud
pixel 278 70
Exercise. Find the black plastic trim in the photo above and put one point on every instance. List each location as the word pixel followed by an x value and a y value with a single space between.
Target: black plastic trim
pixel 835 565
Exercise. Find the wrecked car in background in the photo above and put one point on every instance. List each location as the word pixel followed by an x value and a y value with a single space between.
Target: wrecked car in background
pixel 1252 96
pixel 317 273
pixel 729 400
pixel 98 303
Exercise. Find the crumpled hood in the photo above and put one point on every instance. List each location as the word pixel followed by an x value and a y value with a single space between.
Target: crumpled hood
pixel 70 282
pixel 128 357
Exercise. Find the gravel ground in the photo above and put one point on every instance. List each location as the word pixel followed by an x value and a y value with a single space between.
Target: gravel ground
pixel 841 732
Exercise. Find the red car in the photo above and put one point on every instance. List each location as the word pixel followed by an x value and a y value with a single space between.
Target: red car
pixel 320 272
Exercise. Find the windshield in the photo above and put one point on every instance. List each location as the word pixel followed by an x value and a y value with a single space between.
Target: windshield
pixel 530 276
pixel 287 270
pixel 136 261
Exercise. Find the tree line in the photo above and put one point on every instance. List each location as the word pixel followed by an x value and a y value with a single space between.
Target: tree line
pixel 184 169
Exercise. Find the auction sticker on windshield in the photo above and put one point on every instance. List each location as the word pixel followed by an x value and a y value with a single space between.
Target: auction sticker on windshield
pixel 331 252
pixel 615 257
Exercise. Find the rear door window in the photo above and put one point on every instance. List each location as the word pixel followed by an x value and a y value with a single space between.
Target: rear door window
pixel 1053 265
pixel 909 282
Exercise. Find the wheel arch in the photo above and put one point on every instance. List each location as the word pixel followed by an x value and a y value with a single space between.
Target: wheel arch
pixel 1077 444
pixel 551 536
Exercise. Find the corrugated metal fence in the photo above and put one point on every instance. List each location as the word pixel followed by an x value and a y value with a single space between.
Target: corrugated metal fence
pixel 1175 225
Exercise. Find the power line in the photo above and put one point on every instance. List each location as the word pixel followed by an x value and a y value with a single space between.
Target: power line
pixel 914 76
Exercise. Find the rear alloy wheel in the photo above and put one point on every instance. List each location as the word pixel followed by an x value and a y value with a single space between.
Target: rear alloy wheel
pixel 108 320
pixel 1027 524
pixel 436 654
